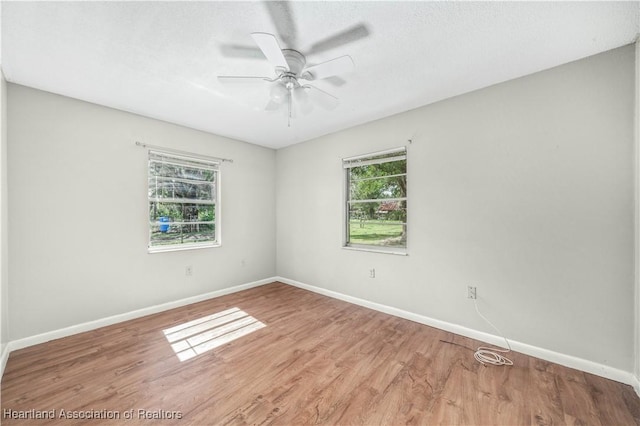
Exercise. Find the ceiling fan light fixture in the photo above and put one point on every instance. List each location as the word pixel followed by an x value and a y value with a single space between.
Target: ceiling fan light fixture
pixel 278 93
pixel 302 101
pixel 302 96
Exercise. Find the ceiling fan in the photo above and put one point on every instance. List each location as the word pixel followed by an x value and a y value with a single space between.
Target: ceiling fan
pixel 292 77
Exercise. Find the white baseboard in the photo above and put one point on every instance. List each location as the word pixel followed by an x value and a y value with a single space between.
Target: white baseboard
pixel 4 356
pixel 546 354
pixel 92 325
pixel 636 385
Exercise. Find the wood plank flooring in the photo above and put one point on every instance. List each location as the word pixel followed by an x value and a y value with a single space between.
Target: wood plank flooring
pixel 317 361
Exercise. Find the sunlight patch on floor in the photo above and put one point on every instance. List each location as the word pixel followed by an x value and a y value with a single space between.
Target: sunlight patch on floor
pixel 203 334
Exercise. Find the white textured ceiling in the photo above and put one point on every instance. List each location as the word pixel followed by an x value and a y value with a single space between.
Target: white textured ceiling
pixel 161 59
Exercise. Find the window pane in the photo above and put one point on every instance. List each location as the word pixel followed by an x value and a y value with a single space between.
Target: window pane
pixel 379 170
pixel 182 234
pixel 181 212
pixel 181 171
pixel 171 188
pixel 381 223
pixel 385 233
pixel 378 187
pixel 379 211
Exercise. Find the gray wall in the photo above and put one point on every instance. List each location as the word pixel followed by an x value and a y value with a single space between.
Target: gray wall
pixel 78 214
pixel 523 189
pixel 4 249
pixel 637 211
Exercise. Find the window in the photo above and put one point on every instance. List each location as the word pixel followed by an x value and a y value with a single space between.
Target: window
pixel 183 202
pixel 376 200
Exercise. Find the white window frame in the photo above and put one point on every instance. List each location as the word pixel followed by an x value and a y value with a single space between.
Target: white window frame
pixel 212 165
pixel 362 160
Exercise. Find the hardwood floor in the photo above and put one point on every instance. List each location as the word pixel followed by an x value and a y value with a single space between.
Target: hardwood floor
pixel 317 360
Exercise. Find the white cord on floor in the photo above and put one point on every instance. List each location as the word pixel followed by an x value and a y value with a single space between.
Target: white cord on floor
pixel 486 355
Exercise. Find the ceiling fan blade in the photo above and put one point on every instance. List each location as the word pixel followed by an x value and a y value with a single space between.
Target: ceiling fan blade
pixel 335 81
pixel 237 51
pixel 271 49
pixel 330 68
pixel 322 98
pixel 347 36
pixel 232 78
pixel 282 18
pixel 241 78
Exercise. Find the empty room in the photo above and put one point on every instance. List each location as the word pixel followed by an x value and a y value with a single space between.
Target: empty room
pixel 331 212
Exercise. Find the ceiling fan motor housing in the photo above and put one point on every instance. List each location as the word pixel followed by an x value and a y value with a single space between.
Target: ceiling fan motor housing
pixel 296 61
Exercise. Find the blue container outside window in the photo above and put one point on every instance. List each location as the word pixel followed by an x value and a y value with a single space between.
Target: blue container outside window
pixel 164 223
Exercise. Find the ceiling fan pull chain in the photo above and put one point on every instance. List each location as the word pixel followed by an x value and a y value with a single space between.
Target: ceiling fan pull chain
pixel 290 107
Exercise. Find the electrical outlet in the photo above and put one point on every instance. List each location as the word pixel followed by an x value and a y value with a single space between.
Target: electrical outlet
pixel 372 273
pixel 471 292
pixel 188 271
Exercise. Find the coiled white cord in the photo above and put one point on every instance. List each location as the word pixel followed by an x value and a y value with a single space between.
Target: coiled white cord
pixel 493 356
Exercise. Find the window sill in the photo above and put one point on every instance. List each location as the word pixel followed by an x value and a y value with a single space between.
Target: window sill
pixel 376 250
pixel 161 249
